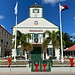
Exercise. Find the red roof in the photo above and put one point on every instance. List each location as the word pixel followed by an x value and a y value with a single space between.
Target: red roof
pixel 72 48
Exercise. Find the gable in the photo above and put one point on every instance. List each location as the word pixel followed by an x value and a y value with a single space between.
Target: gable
pixel 36 22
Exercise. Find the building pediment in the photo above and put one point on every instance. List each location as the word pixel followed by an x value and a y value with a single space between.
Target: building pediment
pixel 36 22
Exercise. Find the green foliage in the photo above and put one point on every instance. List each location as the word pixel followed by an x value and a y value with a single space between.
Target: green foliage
pixel 52 37
pixel 27 46
pixel 68 42
pixel 22 39
pixel 47 40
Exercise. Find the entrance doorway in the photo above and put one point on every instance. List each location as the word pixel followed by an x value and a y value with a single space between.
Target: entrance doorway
pixel 36 54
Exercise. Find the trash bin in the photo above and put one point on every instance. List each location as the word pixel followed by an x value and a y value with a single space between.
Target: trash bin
pixel 40 65
pixel 44 65
pixel 36 64
pixel 71 62
pixel 9 62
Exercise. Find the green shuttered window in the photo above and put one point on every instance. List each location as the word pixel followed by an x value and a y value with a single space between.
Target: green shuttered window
pixel 49 51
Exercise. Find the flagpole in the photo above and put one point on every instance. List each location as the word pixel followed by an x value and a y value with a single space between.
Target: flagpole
pixel 15 30
pixel 61 47
pixel 15 39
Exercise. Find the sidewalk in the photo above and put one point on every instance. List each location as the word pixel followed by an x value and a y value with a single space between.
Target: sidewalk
pixel 63 69
pixel 38 73
pixel 28 70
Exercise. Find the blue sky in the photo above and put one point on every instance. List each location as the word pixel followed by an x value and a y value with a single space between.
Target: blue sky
pixel 51 13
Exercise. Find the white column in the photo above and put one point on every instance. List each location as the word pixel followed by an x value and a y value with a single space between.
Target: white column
pixel 33 37
pixel 41 38
pixel 38 38
pixel 25 55
pixel 0 51
pixel 43 55
pixel 46 55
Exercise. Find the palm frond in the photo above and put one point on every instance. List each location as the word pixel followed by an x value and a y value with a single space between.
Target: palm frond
pixel 53 36
pixel 47 32
pixel 55 41
pixel 23 38
pixel 29 36
pixel 45 43
pixel 19 34
pixel 27 46
pixel 17 43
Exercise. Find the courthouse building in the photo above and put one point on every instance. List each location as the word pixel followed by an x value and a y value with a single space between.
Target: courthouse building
pixel 36 25
pixel 5 42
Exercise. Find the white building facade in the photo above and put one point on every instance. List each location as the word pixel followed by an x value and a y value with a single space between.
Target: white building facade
pixel 36 25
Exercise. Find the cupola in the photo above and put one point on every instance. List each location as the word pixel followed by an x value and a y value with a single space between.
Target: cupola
pixel 35 10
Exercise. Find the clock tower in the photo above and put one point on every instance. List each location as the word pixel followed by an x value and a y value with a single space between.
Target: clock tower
pixel 35 11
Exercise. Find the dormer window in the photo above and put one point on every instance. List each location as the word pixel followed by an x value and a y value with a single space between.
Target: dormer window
pixel 35 10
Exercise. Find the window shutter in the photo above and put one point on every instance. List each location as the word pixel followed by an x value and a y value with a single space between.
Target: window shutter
pixel 18 51
pixel 23 52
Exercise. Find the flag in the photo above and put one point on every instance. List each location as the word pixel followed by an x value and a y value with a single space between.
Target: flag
pixel 16 10
pixel 63 7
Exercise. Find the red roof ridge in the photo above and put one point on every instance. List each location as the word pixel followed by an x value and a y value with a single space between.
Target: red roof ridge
pixel 72 48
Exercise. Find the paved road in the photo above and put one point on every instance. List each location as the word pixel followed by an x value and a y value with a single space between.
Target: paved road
pixel 27 71
pixel 42 73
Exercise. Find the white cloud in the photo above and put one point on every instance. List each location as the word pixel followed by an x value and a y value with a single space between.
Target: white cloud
pixel 71 38
pixel 52 1
pixel 73 33
pixel 1 17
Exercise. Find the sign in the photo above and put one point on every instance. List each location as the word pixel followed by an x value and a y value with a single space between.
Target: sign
pixel 36 23
pixel 35 30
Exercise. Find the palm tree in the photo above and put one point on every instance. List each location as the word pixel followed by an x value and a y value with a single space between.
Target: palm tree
pixel 55 42
pixel 19 35
pixel 52 37
pixel 46 42
pixel 27 47
pixel 22 39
